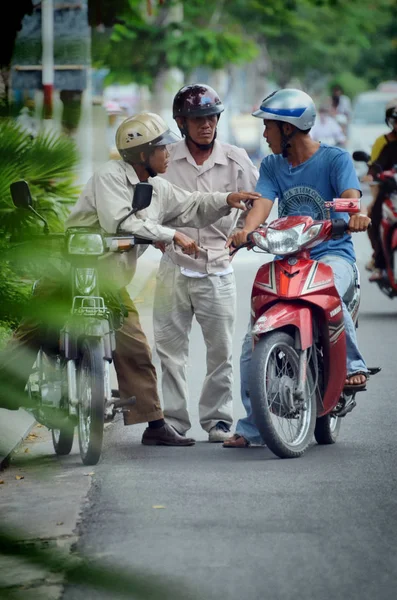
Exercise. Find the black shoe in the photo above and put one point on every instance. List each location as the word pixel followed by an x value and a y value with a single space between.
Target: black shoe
pixel 165 436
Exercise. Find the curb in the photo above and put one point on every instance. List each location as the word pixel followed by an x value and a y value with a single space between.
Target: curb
pixel 15 425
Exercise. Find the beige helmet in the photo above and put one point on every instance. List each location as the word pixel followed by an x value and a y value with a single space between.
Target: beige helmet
pixel 141 133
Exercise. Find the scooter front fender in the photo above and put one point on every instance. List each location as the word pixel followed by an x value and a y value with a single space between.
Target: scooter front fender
pixel 287 314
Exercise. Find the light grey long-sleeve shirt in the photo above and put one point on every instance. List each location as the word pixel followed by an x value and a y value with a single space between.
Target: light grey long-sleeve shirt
pixel 107 198
pixel 227 169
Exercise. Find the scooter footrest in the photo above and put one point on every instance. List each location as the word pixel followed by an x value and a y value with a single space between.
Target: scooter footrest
pixel 125 403
pixel 345 408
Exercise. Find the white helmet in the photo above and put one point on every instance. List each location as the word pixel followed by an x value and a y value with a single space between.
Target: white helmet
pixel 288 106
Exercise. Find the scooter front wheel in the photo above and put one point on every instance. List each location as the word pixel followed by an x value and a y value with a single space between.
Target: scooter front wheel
pixel 285 423
pixel 91 408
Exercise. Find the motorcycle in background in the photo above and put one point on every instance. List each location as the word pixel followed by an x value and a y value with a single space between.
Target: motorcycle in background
pixel 70 385
pixel 387 181
pixel 298 366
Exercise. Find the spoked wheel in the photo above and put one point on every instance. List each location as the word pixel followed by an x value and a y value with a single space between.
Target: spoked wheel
pixel 62 439
pixel 285 423
pixel 327 429
pixel 91 392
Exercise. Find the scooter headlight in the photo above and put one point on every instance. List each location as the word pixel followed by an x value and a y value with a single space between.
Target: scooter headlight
pixel 89 244
pixel 287 241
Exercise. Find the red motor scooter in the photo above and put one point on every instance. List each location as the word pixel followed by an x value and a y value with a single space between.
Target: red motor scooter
pixel 298 366
pixel 387 181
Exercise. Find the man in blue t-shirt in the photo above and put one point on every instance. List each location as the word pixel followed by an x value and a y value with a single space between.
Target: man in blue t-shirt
pixel 303 174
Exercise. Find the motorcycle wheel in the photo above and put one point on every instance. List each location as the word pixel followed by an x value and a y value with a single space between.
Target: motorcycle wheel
pixel 274 370
pixel 91 393
pixel 327 429
pixel 62 439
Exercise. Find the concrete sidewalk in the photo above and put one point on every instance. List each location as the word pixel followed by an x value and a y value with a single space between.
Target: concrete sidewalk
pixel 41 499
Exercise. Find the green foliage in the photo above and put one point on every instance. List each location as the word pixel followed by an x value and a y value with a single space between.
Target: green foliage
pixel 141 47
pixel 47 163
pixel 351 84
pixel 325 39
pixel 304 39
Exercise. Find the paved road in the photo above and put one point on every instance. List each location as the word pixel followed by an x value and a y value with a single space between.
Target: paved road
pixel 244 524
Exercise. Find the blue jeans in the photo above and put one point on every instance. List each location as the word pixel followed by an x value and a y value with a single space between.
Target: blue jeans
pixel 344 278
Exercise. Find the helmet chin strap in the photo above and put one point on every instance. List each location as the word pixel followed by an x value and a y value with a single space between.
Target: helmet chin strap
pixel 146 164
pixel 149 169
pixel 285 139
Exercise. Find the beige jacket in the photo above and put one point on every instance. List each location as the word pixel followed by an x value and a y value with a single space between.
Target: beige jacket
pixel 228 169
pixel 107 198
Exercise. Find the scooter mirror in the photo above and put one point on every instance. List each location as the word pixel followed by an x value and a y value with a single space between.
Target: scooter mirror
pixel 361 156
pixel 20 194
pixel 142 196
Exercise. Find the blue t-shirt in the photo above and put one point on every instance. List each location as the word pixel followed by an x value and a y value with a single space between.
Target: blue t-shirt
pixel 302 190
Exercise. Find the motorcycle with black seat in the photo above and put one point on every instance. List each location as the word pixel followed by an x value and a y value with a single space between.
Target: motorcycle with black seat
pixel 70 383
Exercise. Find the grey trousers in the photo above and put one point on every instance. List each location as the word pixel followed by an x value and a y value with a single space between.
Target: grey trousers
pixel 212 300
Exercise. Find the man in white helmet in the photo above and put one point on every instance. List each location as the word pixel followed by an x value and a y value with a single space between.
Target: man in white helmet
pixel 205 286
pixel 105 201
pixel 303 174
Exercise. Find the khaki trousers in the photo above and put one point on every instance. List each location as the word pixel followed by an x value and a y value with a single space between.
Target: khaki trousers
pixel 212 300
pixel 136 374
pixel 135 371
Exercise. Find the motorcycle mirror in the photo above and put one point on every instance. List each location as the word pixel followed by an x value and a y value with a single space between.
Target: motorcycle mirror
pixel 20 194
pixel 361 156
pixel 142 199
pixel 142 196
pixel 22 198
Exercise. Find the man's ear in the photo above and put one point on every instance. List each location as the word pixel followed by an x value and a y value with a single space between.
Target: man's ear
pixel 143 157
pixel 288 128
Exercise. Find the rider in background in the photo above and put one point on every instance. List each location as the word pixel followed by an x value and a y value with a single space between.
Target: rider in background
pixel 303 174
pixel 326 129
pixel 383 157
pixel 340 107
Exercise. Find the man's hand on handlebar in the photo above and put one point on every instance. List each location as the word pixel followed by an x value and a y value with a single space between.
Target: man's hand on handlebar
pixel 359 223
pixel 238 238
pixel 238 199
pixel 188 245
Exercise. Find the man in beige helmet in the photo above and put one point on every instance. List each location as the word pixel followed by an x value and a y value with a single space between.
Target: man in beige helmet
pixel 106 199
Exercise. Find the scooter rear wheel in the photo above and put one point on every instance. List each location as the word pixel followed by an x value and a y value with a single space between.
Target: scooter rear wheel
pixel 327 429
pixel 286 427
pixel 62 439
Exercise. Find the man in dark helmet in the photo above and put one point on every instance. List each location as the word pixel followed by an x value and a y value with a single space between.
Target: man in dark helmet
pixel 203 286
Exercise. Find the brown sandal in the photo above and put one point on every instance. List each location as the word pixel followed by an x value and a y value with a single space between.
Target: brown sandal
pixel 236 441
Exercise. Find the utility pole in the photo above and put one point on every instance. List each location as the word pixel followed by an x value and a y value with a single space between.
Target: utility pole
pixel 47 33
